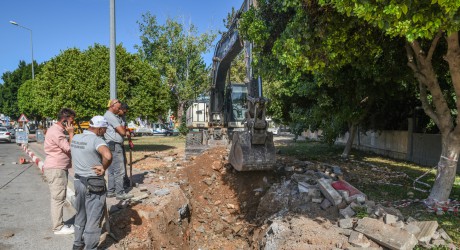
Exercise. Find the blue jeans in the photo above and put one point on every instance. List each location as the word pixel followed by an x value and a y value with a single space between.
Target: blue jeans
pixel 88 220
pixel 116 171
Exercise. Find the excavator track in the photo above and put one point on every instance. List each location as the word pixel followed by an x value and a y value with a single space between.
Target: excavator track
pixel 245 156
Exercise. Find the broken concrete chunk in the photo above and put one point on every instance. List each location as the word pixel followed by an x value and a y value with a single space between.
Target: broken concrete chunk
pixel 303 187
pixel 352 192
pixel 444 235
pixel 317 200
pixel 386 235
pixel 398 224
pixel 390 219
pixel 346 223
pixel 344 231
pixel 427 230
pixel 347 212
pixel 329 192
pixel 325 204
pixel 162 192
pixel 358 240
pixel 140 197
pixel 412 228
pixel 439 242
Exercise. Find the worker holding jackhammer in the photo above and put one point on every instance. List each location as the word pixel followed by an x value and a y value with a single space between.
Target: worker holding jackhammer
pixel 114 138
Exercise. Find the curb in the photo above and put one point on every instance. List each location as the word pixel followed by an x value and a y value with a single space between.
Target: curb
pixel 70 195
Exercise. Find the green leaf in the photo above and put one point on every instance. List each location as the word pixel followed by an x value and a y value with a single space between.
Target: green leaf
pixel 404 9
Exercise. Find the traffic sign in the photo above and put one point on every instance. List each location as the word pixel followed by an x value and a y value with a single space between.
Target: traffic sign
pixel 23 118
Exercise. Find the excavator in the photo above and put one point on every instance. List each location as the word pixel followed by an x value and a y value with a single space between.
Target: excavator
pixel 233 112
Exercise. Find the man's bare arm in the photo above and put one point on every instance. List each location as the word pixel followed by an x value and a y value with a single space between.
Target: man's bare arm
pixel 106 156
pixel 121 130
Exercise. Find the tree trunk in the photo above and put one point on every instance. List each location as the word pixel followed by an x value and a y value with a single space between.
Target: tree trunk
pixel 446 171
pixel 351 138
pixel 180 111
pixel 438 110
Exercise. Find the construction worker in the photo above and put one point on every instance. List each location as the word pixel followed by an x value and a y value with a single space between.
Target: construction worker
pixel 90 158
pixel 114 138
pixel 56 166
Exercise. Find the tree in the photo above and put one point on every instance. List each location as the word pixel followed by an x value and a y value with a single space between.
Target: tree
pixel 175 50
pixel 430 28
pixel 80 80
pixel 12 81
pixel 321 71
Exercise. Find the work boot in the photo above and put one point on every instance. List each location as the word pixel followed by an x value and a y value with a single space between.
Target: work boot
pixel 124 196
pixel 110 194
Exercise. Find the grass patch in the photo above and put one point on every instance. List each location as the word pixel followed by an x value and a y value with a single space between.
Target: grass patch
pixel 157 143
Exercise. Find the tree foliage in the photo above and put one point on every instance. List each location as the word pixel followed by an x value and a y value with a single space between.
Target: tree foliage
pixel 12 81
pixel 325 70
pixel 175 51
pixel 80 80
pixel 423 24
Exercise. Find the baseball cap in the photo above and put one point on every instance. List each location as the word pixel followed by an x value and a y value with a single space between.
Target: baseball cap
pixel 98 122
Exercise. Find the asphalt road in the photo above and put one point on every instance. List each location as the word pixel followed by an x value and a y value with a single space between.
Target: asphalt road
pixel 25 220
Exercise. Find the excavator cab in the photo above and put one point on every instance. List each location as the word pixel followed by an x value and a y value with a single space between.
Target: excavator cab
pixel 253 148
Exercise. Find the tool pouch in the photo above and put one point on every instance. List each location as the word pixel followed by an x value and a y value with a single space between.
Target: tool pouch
pixel 95 184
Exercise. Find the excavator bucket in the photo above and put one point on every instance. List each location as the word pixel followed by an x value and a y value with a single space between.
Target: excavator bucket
pixel 245 156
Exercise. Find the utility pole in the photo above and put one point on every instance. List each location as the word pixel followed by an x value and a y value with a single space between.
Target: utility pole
pixel 113 45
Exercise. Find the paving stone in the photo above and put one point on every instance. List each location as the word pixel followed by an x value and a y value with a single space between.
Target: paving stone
pixel 386 235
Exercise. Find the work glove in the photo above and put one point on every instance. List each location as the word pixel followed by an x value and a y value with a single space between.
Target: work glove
pixel 131 144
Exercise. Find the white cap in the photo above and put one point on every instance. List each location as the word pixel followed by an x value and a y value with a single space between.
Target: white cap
pixel 98 122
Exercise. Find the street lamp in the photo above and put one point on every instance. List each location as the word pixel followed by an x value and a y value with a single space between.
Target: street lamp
pixel 31 45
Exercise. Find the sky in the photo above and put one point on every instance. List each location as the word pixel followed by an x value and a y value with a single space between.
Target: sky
pixel 58 25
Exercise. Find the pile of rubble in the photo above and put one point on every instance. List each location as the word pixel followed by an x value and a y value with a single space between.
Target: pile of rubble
pixel 365 223
pixel 205 204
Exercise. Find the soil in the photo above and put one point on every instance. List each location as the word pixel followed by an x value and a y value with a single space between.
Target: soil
pixel 226 209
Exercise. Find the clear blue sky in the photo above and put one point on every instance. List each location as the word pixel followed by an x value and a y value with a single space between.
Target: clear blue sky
pixel 61 24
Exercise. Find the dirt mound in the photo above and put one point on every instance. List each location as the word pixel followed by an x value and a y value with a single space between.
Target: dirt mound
pixel 227 209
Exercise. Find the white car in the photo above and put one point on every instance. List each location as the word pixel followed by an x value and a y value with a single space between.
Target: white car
pixel 5 135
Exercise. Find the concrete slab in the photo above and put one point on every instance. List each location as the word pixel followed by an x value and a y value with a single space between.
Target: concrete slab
pixel 329 192
pixel 427 230
pixel 386 235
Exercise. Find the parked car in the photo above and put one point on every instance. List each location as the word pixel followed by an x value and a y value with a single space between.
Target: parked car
pixel 5 135
pixel 32 128
pixel 12 131
pixel 161 129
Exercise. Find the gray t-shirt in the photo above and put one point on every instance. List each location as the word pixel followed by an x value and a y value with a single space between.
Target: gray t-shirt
pixel 84 152
pixel 111 134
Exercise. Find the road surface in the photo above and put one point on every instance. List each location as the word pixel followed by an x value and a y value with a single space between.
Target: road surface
pixel 25 220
